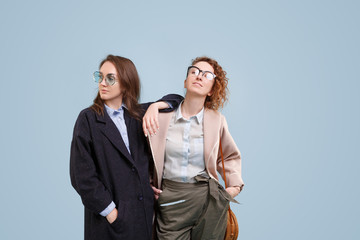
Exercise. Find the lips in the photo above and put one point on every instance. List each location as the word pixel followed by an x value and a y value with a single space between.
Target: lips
pixel 197 83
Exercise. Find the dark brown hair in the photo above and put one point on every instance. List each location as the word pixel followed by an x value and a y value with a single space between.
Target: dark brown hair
pixel 129 84
pixel 219 89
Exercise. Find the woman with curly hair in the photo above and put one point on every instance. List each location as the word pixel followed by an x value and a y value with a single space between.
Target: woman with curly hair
pixel 191 204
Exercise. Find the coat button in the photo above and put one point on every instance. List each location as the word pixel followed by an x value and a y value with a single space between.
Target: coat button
pixel 133 169
pixel 140 197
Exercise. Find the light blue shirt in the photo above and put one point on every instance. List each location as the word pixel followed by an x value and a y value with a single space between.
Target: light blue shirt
pixel 184 149
pixel 117 116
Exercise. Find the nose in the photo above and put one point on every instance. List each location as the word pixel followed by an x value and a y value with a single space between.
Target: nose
pixel 200 75
pixel 103 82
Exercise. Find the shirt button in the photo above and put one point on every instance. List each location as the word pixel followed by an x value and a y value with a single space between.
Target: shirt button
pixel 140 197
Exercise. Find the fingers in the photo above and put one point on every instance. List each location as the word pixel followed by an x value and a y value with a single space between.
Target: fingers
pixel 149 127
pixel 156 122
pixel 150 120
pixel 150 124
pixel 156 192
pixel 144 128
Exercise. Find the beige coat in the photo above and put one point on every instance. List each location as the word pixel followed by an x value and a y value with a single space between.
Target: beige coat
pixel 215 126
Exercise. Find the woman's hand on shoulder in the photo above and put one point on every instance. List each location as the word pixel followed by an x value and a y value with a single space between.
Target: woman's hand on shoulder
pixel 151 119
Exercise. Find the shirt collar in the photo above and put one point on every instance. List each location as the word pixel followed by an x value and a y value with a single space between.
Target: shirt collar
pixel 112 112
pixel 199 117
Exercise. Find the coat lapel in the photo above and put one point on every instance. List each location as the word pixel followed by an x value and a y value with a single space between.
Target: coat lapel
pixel 110 130
pixel 131 126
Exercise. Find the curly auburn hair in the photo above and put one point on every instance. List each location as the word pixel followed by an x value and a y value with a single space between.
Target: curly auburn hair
pixel 219 89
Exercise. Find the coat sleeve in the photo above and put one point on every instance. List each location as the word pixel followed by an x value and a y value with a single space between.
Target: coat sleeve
pixel 173 99
pixel 83 171
pixel 232 157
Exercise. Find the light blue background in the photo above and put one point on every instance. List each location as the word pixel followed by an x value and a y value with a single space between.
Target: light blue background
pixel 294 106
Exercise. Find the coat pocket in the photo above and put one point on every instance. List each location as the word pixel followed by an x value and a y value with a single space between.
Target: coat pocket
pixel 119 225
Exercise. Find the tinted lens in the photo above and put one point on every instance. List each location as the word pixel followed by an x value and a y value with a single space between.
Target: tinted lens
pixel 97 77
pixel 110 79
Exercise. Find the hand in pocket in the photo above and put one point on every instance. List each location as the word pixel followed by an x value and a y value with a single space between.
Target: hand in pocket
pixel 111 217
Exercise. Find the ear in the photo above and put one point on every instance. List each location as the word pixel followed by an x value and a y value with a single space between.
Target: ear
pixel 210 93
pixel 185 83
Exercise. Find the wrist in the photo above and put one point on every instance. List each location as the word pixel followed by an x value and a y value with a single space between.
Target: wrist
pixel 158 105
pixel 161 105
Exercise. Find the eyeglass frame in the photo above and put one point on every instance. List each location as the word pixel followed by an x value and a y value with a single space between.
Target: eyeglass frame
pixel 203 72
pixel 106 78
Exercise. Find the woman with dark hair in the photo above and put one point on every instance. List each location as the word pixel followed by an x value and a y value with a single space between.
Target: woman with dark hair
pixel 109 161
pixel 191 204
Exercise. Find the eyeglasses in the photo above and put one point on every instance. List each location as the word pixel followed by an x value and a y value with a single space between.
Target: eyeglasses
pixel 195 71
pixel 110 79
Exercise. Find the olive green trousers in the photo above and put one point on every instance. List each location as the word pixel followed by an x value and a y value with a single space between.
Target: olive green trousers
pixel 195 211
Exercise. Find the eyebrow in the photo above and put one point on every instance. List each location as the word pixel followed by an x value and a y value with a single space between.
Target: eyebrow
pixel 108 73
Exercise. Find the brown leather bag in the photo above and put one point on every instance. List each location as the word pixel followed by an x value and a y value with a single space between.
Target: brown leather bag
pixel 232 228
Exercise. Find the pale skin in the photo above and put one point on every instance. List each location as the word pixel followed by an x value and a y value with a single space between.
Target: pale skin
pixel 112 96
pixel 197 90
pixel 150 119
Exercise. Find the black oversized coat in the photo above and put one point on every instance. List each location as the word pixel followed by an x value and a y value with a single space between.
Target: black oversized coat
pixel 102 170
